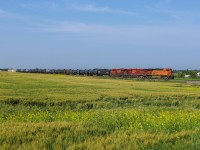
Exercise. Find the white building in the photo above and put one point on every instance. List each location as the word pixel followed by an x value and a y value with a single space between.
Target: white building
pixel 187 76
pixel 198 74
pixel 11 70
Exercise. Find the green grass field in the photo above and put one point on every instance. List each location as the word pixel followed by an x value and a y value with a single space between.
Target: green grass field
pixel 39 111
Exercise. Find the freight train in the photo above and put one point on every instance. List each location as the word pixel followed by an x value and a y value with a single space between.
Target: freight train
pixel 164 73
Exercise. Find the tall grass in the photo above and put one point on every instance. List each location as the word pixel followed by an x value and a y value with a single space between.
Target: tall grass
pixel 124 119
pixel 69 112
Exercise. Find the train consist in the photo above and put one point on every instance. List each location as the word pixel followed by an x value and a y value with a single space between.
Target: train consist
pixel 164 73
pixel 86 72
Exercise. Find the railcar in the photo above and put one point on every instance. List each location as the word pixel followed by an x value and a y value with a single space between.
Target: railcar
pixel 91 72
pixel 165 73
pixel 68 71
pixel 137 73
pixel 82 72
pixel 102 72
pixel 75 72
pixel 118 72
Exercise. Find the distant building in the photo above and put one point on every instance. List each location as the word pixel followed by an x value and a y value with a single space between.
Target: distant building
pixel 12 70
pixel 187 76
pixel 198 74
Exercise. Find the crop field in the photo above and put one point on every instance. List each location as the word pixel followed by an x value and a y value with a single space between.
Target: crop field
pixel 41 111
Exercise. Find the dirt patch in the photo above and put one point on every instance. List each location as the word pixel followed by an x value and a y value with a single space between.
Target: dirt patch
pixel 193 82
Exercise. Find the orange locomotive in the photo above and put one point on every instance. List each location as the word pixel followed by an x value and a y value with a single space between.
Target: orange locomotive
pixel 165 73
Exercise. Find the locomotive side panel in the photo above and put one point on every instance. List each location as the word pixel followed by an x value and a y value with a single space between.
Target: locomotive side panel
pixel 118 72
pixel 165 74
pixel 137 73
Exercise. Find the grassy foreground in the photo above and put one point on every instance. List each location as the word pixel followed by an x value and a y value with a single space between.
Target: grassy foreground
pixel 40 111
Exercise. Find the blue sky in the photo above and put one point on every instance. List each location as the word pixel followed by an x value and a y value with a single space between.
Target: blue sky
pixel 100 33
